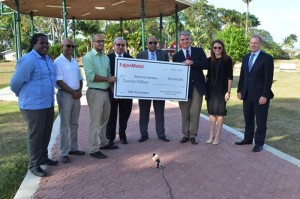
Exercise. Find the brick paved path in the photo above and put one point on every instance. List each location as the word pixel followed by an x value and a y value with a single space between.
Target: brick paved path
pixel 193 172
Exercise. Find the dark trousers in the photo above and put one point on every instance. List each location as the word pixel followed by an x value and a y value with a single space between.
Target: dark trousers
pixel 39 125
pixel 159 110
pixel 259 113
pixel 125 106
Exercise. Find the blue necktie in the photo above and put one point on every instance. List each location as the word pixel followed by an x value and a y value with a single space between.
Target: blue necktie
pixel 250 63
pixel 152 56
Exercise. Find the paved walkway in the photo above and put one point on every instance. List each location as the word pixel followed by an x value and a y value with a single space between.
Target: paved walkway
pixel 190 171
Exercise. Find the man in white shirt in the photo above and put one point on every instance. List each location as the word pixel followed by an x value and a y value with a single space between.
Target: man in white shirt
pixel 69 82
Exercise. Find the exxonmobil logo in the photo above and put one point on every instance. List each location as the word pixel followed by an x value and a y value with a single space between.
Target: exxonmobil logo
pixel 131 65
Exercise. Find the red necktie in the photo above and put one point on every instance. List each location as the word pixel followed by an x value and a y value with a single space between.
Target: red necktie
pixel 187 55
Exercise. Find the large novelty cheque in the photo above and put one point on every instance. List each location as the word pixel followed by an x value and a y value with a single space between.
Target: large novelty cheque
pixel 156 80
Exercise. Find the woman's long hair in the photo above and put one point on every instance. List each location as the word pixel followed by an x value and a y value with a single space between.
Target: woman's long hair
pixel 34 40
pixel 223 53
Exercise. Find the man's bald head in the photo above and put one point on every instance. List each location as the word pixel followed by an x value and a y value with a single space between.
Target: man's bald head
pixel 68 47
pixel 152 43
pixel 98 42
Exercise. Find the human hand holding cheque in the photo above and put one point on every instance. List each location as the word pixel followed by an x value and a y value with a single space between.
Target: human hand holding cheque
pixel 153 80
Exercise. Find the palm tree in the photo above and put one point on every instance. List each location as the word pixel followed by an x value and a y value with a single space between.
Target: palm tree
pixel 247 2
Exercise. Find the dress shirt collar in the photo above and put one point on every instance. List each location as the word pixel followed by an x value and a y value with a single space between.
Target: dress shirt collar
pixel 66 59
pixel 184 51
pixel 149 54
pixel 117 55
pixel 38 55
pixel 96 53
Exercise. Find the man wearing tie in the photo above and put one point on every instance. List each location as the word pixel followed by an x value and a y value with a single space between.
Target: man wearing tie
pixel 190 110
pixel 254 88
pixel 124 105
pixel 159 105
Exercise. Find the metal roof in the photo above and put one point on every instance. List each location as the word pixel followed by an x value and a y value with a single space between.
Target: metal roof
pixel 99 9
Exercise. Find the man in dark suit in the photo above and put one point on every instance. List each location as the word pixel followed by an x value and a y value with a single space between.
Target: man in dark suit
pixel 254 88
pixel 124 105
pixel 190 110
pixel 159 105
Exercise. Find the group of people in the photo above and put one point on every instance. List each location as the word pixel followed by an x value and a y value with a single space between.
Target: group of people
pixel 36 76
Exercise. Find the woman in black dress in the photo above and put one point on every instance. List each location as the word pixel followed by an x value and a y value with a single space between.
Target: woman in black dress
pixel 219 81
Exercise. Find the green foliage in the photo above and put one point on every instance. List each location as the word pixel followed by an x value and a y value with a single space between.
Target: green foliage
pixel 269 45
pixel 290 40
pixel 204 24
pixel 54 51
pixel 202 20
pixel 131 33
pixel 82 46
pixel 6 32
pixel 235 41
pixel 89 28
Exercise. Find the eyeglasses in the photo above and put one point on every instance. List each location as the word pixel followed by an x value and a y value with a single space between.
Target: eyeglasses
pixel 70 46
pixel 99 41
pixel 186 39
pixel 120 45
pixel 152 42
pixel 219 48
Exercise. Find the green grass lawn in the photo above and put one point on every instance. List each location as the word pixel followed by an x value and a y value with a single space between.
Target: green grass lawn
pixel 6 71
pixel 13 149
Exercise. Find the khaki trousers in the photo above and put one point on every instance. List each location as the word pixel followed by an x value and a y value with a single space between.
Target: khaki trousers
pixel 190 113
pixel 99 107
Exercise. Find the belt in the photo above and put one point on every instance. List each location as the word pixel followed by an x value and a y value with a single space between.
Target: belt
pixel 66 91
pixel 100 89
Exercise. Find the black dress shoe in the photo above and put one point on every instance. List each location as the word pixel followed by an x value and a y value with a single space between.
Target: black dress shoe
pixel 257 148
pixel 111 142
pixel 194 141
pixel 50 162
pixel 98 154
pixel 76 152
pixel 143 138
pixel 184 140
pixel 65 159
pixel 38 171
pixel 109 147
pixel 243 142
pixel 123 141
pixel 164 139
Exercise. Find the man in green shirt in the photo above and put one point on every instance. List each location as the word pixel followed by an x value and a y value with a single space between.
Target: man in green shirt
pixel 97 71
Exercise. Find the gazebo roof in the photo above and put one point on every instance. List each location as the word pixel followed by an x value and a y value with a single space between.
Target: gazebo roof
pixel 99 9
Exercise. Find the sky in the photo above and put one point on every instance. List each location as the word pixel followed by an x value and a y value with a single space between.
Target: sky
pixel 279 17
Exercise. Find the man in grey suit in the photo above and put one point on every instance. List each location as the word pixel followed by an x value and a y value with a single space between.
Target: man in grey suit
pixel 159 105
